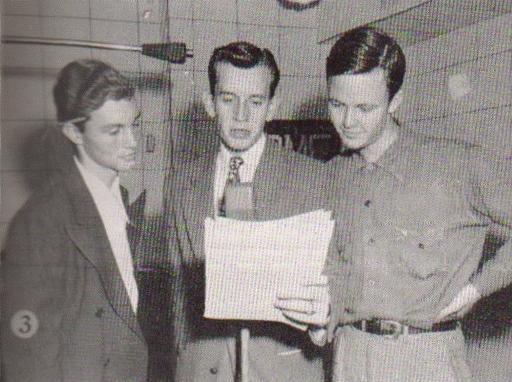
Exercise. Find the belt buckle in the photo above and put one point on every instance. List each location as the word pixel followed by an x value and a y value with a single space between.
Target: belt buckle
pixel 392 329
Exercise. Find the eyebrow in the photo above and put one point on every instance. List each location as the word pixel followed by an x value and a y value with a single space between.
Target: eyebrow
pixel 111 126
pixel 357 105
pixel 225 92
pixel 116 125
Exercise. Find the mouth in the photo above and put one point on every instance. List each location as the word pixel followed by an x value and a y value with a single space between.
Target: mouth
pixel 350 134
pixel 239 133
pixel 130 157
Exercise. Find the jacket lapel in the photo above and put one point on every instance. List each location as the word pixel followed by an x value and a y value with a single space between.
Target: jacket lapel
pixel 264 180
pixel 86 230
pixel 198 201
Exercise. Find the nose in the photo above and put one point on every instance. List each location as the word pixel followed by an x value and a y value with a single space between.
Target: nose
pixel 130 137
pixel 350 117
pixel 241 112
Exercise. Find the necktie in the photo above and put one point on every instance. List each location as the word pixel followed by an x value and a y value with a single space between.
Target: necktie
pixel 232 179
pixel 131 229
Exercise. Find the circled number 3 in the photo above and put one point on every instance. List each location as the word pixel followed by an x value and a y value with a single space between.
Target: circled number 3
pixel 24 324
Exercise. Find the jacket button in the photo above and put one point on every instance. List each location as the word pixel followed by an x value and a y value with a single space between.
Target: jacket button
pixel 213 370
pixel 107 361
pixel 99 312
pixel 367 203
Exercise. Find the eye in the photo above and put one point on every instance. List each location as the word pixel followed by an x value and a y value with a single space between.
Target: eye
pixel 227 98
pixel 257 101
pixel 366 108
pixel 335 103
pixel 114 131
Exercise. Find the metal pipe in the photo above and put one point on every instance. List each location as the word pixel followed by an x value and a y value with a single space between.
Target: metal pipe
pixel 174 52
pixel 62 42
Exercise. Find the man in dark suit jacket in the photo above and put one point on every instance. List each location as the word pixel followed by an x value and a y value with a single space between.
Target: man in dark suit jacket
pixel 243 80
pixel 69 296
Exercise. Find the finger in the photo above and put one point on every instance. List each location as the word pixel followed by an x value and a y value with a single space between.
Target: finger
pixel 448 312
pixel 308 293
pixel 299 318
pixel 464 310
pixel 318 285
pixel 298 295
pixel 443 314
pixel 316 319
pixel 298 306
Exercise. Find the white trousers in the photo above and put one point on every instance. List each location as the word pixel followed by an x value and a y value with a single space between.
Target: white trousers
pixel 425 357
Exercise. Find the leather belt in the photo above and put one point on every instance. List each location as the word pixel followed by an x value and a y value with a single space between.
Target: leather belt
pixel 395 328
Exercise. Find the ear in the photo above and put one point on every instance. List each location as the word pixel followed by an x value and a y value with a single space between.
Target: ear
pixel 209 104
pixel 396 101
pixel 272 108
pixel 73 133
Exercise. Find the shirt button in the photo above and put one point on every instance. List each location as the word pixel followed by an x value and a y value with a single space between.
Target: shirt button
pixel 367 203
pixel 371 241
pixel 421 246
pixel 213 370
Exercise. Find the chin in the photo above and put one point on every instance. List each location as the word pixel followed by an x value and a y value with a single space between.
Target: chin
pixel 239 145
pixel 353 145
pixel 125 166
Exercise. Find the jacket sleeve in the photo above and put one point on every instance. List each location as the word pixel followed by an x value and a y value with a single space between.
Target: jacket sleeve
pixel 178 285
pixel 32 302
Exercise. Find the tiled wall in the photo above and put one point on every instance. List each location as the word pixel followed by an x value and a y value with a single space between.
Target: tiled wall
pixel 29 72
pixel 476 61
pixel 204 24
pixel 481 52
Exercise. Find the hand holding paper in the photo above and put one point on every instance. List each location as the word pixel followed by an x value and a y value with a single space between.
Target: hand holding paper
pixel 309 307
pixel 249 264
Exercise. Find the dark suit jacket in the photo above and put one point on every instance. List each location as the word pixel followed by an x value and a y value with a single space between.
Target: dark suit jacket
pixel 285 184
pixel 58 264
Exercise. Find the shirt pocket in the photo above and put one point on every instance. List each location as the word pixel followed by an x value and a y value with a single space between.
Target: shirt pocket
pixel 421 254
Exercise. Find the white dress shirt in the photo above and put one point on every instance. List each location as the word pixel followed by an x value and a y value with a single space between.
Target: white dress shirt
pixel 251 158
pixel 113 215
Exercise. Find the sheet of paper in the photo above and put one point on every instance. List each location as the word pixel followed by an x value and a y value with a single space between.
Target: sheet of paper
pixel 248 263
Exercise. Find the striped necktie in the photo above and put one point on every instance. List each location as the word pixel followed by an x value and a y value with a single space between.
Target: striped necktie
pixel 232 179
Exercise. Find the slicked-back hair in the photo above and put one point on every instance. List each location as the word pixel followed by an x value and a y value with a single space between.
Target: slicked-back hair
pixel 245 55
pixel 83 86
pixel 363 49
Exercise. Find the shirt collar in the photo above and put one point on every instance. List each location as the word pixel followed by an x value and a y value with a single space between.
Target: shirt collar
pixel 388 159
pixel 251 155
pixel 95 184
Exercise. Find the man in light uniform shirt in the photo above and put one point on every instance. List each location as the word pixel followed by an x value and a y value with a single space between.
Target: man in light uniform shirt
pixel 411 223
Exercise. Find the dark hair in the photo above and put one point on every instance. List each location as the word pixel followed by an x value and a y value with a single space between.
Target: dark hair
pixel 363 49
pixel 84 85
pixel 243 55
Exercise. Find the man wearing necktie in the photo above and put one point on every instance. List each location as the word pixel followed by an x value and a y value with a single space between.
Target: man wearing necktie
pixel 269 182
pixel 70 296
